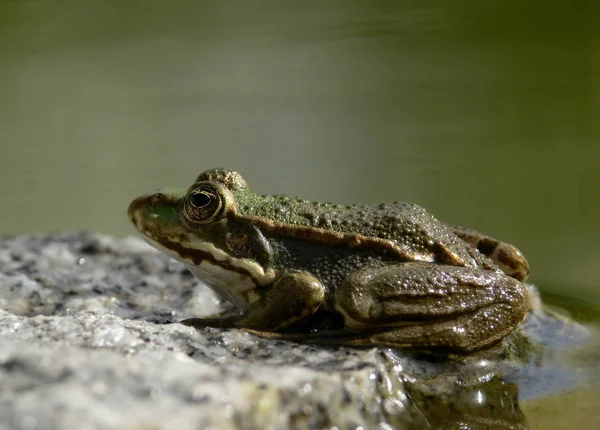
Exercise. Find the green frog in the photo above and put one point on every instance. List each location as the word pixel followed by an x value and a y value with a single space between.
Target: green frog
pixel 388 274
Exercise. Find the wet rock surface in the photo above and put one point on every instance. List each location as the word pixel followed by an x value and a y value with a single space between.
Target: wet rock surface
pixel 89 339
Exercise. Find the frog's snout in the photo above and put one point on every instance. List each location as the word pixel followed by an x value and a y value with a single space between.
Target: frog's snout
pixel 140 208
pixel 135 209
pixel 160 207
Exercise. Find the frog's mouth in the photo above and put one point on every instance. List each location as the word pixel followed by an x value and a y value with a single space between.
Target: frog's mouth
pixel 193 252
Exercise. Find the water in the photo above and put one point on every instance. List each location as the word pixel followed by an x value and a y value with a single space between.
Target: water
pixel 486 114
pixel 575 407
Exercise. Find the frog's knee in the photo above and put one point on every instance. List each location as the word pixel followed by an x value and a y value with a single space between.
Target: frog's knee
pixel 355 302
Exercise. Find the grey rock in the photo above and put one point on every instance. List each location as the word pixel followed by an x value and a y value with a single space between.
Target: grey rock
pixel 89 339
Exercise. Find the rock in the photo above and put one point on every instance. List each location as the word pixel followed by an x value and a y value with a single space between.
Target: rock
pixel 89 339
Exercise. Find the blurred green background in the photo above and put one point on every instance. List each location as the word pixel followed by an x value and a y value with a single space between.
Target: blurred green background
pixel 486 113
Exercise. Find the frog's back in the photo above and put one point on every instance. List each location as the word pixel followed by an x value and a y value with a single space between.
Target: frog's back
pixel 385 221
pixel 407 226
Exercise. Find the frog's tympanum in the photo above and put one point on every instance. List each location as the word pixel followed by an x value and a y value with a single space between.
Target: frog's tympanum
pixel 388 274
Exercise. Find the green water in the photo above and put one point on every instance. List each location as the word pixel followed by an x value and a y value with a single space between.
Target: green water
pixel 486 113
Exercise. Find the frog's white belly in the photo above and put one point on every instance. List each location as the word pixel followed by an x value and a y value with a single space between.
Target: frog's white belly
pixel 232 286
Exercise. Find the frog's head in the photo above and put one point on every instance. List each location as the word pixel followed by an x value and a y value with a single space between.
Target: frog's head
pixel 199 227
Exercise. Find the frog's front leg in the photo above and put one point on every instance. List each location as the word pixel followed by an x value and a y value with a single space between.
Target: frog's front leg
pixel 292 297
pixel 430 306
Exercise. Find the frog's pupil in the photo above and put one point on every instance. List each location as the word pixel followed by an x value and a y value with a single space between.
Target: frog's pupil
pixel 200 200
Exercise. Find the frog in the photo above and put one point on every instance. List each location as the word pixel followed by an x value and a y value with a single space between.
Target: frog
pixel 388 274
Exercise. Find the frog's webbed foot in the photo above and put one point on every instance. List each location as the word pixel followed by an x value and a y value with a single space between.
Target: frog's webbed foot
pixel 506 256
pixel 431 306
pixel 294 296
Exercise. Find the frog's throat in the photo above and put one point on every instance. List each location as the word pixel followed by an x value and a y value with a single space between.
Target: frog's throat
pixel 208 262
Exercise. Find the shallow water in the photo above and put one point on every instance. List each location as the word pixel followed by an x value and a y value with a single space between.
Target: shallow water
pixel 486 114
pixel 576 406
pixel 573 409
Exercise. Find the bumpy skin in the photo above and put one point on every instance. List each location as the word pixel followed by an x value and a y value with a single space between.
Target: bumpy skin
pixel 383 274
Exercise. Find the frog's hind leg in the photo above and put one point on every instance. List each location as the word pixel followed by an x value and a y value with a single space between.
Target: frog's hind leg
pixel 430 306
pixel 506 256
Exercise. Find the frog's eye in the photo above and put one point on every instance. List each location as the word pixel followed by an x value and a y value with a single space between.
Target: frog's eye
pixel 203 205
pixel 200 200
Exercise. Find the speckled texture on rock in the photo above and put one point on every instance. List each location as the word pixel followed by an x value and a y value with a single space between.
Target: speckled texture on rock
pixel 86 342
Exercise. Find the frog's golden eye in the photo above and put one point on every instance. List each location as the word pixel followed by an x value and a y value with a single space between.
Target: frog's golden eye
pixel 203 205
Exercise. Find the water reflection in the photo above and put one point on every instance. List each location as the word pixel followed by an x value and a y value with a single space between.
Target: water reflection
pixel 466 398
pixel 493 405
pixel 484 391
